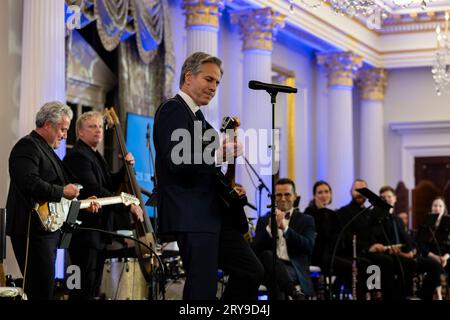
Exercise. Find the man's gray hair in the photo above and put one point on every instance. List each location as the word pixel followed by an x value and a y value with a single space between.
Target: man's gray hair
pixel 52 111
pixel 194 64
pixel 86 116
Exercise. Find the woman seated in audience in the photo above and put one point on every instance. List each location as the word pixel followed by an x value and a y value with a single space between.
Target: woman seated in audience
pixel 328 228
pixel 431 237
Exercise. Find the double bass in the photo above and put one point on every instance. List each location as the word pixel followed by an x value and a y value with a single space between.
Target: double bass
pixel 143 230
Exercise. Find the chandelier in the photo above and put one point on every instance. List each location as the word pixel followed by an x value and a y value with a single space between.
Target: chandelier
pixel 358 8
pixel 441 66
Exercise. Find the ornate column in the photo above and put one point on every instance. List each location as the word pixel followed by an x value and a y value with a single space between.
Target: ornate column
pixel 341 69
pixel 43 60
pixel 258 28
pixel 202 25
pixel 373 84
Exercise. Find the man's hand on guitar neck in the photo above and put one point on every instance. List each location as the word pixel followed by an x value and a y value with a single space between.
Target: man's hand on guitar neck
pixel 228 151
pixel 94 206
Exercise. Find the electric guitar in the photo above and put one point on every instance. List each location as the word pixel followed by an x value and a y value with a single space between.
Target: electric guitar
pixel 232 200
pixel 53 214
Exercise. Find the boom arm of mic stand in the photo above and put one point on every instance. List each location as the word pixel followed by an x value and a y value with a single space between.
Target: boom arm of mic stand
pixel 338 240
pixel 261 182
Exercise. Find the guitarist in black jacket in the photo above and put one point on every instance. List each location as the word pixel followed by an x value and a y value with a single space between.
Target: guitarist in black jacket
pixel 189 202
pixel 87 248
pixel 37 174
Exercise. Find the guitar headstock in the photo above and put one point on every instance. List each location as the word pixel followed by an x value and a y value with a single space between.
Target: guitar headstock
pixel 128 199
pixel 111 117
pixel 230 123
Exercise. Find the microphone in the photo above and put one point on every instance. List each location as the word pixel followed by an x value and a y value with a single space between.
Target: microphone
pixel 147 136
pixel 270 87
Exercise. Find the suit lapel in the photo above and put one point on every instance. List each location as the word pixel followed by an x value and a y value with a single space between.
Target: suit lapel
pixel 51 155
pixel 95 160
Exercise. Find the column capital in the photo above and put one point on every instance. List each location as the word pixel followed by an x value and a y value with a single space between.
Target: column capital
pixel 258 27
pixel 341 67
pixel 202 12
pixel 372 83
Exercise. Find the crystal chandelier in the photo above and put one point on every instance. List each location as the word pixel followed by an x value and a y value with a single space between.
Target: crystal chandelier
pixel 441 65
pixel 361 8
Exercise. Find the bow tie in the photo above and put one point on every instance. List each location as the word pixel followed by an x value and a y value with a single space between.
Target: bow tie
pixel 287 215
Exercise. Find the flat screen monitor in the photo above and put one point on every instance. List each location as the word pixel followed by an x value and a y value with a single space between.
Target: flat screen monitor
pixel 139 129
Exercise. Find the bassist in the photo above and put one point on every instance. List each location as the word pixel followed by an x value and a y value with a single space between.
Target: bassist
pixel 87 248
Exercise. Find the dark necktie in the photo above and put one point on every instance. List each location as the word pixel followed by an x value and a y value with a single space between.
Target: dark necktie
pixel 201 117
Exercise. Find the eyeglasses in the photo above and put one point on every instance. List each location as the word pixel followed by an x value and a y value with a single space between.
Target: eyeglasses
pixel 286 195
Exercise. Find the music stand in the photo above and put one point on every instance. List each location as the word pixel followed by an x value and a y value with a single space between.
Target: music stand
pixel 426 229
pixel 374 199
pixel 69 226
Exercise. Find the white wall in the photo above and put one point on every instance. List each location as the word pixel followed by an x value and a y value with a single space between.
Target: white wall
pixel 410 97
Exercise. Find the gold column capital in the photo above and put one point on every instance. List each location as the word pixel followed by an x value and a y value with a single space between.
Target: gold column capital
pixel 341 67
pixel 202 12
pixel 258 27
pixel 373 83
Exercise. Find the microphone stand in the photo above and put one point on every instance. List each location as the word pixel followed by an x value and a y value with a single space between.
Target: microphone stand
pixel 272 90
pixel 152 168
pixel 261 186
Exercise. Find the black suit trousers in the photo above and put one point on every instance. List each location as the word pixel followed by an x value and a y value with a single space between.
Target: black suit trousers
pixel 203 253
pixel 39 276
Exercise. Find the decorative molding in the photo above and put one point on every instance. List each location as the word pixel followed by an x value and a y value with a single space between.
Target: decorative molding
pixel 202 12
pixel 421 139
pixel 341 67
pixel 419 127
pixel 372 83
pixel 258 27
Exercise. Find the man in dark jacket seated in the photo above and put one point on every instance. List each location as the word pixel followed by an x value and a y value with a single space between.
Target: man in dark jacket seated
pixel 296 233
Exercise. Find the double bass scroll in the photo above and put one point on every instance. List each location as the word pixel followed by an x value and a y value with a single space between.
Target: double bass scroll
pixel 144 230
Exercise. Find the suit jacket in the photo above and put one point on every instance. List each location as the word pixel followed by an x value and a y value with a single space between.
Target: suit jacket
pixel 360 227
pixel 327 230
pixel 383 232
pixel 300 238
pixel 92 172
pixel 187 189
pixel 37 174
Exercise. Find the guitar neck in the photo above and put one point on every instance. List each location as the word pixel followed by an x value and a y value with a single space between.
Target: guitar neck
pixel 102 201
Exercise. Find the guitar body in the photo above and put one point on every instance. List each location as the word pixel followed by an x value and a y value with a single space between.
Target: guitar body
pixel 233 203
pixel 53 214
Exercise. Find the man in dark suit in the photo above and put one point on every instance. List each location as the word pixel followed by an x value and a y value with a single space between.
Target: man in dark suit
pixel 38 175
pixel 87 248
pixel 295 244
pixel 189 205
